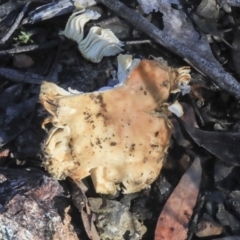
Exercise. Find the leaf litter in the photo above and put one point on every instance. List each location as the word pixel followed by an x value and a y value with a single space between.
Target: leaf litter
pixel 209 128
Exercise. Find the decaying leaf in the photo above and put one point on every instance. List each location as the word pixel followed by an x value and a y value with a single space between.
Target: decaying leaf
pixel 223 145
pixel 117 136
pixel 98 43
pixel 114 220
pixel 176 214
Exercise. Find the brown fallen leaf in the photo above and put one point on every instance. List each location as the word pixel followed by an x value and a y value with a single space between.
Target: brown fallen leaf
pixel 80 201
pixel 173 221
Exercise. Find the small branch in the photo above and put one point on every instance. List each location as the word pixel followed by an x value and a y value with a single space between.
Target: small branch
pixel 17 76
pixel 29 48
pixel 16 24
pixel 218 75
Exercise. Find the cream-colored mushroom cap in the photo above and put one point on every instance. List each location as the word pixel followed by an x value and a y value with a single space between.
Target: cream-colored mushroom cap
pixel 99 43
pixel 119 137
pixel 75 25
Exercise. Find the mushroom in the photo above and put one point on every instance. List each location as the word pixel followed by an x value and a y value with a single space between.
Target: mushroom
pixel 98 43
pixel 119 136
pixel 75 25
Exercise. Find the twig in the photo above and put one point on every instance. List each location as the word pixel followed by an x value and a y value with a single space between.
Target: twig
pixel 216 74
pixel 17 76
pixel 31 47
pixel 16 24
pixel 137 42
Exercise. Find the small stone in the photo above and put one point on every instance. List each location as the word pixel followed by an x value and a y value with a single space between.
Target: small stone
pixel 208 227
pixel 22 61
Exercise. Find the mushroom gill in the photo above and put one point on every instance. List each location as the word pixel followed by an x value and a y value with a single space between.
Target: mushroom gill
pixel 98 43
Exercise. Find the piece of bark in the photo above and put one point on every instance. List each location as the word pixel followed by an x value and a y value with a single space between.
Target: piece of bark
pixel 33 206
pixel 216 73
pixel 149 6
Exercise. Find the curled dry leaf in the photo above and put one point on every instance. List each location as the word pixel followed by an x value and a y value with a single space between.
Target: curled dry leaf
pixel 98 43
pixel 117 136
pixel 173 221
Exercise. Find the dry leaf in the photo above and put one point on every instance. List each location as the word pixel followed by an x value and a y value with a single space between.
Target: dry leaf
pixel 173 221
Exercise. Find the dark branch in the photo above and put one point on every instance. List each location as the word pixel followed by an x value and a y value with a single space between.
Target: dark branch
pixel 218 75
